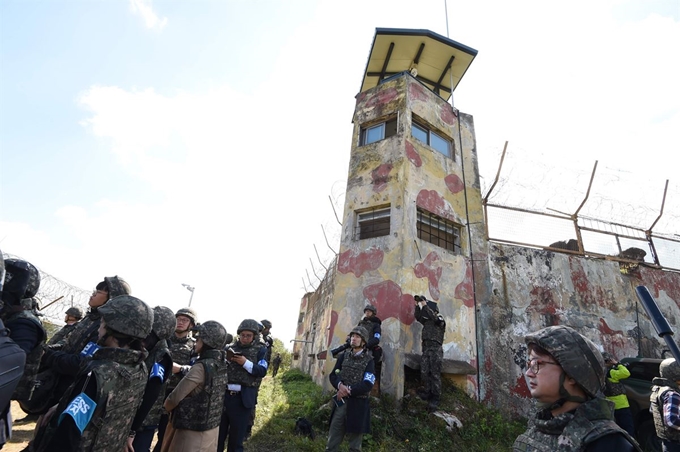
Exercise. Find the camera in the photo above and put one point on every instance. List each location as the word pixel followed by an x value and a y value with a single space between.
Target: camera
pixel 336 351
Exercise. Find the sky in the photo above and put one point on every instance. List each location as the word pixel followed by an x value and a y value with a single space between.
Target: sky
pixel 207 142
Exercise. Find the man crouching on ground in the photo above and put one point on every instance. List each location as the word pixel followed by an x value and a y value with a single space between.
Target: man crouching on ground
pixel 353 376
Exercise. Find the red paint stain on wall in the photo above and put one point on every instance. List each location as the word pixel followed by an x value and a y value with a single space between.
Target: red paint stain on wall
pixel 381 98
pixel 431 269
pixel 464 290
pixel 359 263
pixel 660 281
pixel 380 177
pixel 447 115
pixel 388 298
pixel 453 183
pixel 413 155
pixel 521 389
pixel 543 303
pixel 433 202
pixel 417 92
pixel 611 339
pixel 334 321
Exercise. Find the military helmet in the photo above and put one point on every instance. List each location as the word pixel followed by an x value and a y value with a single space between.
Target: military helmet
pixel 669 369
pixel 128 316
pixel 361 331
pixel 212 333
pixel 16 267
pixel 249 325
pixel 373 309
pixel 266 323
pixel 578 356
pixel 75 311
pixel 188 312
pixel 117 286
pixel 164 322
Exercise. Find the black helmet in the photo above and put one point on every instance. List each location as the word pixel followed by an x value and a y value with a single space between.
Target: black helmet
pixel 128 316
pixel 75 311
pixel 22 279
pixel 212 333
pixel 373 309
pixel 249 325
pixel 266 323
pixel 188 312
pixel 578 356
pixel 164 322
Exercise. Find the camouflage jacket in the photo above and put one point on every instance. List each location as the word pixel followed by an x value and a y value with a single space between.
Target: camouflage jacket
pixel 87 330
pixel 156 355
pixel 661 386
pixel 180 349
pixel 61 334
pixel 120 376
pixel 204 411
pixel 237 374
pixel 23 389
pixel 572 431
pixel 433 326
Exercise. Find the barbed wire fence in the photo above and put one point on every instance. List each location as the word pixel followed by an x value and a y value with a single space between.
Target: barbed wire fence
pixel 56 296
pixel 586 208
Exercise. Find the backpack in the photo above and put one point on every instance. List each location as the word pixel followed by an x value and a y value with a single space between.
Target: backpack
pixel 12 362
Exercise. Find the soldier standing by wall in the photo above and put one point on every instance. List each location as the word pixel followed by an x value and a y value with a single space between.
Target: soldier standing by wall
pixel 95 413
pixel 195 405
pixel 353 376
pixel 665 405
pixel 247 364
pixel 615 392
pixel 372 324
pixel 565 374
pixel 181 347
pixel 276 362
pixel 73 315
pixel 432 338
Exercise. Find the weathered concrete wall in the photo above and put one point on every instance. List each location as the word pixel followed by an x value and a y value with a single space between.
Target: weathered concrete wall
pixel 529 289
pixel 388 271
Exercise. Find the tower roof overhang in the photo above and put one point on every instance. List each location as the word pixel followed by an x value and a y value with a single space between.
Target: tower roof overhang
pixel 437 61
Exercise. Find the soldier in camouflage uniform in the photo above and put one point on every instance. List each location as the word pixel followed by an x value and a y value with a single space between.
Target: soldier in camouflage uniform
pixel 353 376
pixel 565 374
pixel 95 413
pixel 247 365
pixel 159 365
pixel 373 326
pixel 181 349
pixel 665 405
pixel 195 405
pixel 73 316
pixel 22 281
pixel 432 338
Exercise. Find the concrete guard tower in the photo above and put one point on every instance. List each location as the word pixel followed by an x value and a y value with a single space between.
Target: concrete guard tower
pixel 412 211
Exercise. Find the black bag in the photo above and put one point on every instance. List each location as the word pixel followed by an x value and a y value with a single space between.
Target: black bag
pixel 12 362
pixel 304 428
pixel 46 392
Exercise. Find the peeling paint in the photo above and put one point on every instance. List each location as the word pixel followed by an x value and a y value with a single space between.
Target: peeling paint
pixel 413 155
pixel 417 92
pixel 435 203
pixel 390 302
pixel 464 290
pixel 350 261
pixel 431 269
pixel 454 183
pixel 380 177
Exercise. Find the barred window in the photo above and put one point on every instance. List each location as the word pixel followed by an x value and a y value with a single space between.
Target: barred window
pixel 372 223
pixel 438 231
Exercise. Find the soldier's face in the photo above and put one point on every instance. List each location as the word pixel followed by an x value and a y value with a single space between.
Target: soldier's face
pixel 355 340
pixel 183 324
pixel 368 313
pixel 543 378
pixel 246 337
pixel 98 298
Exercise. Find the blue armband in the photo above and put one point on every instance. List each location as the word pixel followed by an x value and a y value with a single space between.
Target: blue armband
pixel 81 410
pixel 89 349
pixel 369 377
pixel 157 371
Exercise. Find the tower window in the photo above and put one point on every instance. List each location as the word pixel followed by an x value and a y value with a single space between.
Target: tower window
pixel 372 223
pixel 378 131
pixel 432 139
pixel 438 231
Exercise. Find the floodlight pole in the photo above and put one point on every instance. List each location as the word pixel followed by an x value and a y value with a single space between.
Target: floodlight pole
pixel 190 289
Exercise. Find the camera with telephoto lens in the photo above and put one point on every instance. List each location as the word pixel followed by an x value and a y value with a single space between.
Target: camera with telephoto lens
pixel 336 351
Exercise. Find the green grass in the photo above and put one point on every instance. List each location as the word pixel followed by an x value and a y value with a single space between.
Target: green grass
pixel 396 426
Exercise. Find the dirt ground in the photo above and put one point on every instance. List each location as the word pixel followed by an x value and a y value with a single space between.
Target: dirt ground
pixel 22 432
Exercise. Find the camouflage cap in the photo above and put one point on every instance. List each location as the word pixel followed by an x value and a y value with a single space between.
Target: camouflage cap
pixel 361 331
pixel 128 316
pixel 117 286
pixel 249 325
pixel 578 356
pixel 669 369
pixel 75 311
pixel 212 333
pixel 15 267
pixel 373 309
pixel 266 323
pixel 188 312
pixel 164 322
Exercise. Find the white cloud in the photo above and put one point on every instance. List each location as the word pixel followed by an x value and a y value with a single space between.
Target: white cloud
pixel 151 19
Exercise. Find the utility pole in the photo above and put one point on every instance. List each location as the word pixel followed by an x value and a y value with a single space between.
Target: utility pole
pixel 190 289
